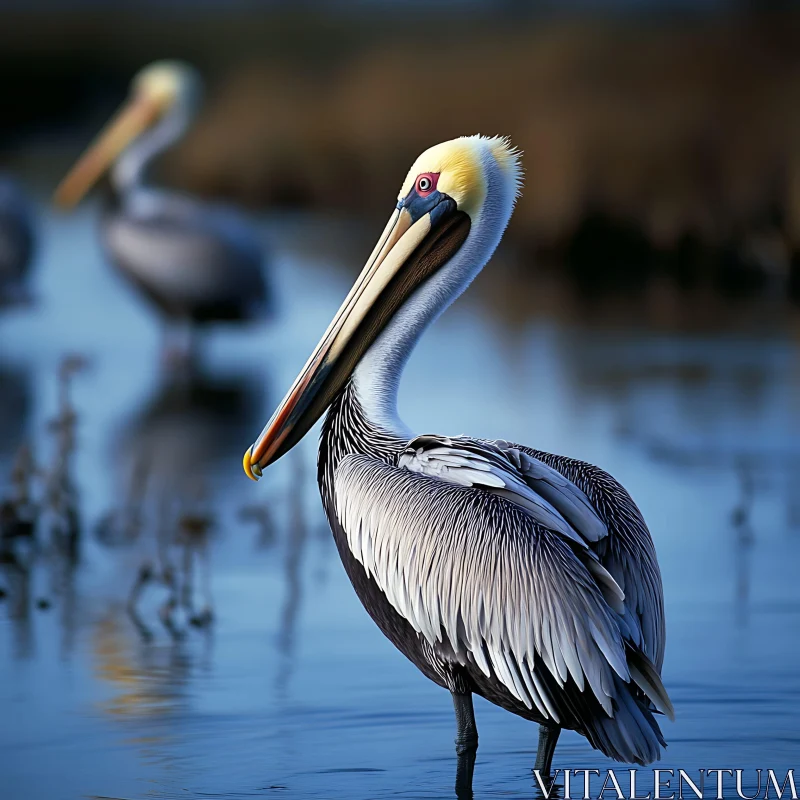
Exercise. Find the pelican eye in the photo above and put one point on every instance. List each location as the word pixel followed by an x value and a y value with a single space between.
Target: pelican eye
pixel 426 184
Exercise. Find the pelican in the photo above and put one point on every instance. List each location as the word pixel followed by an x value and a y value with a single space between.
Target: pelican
pixel 195 262
pixel 527 578
pixel 16 241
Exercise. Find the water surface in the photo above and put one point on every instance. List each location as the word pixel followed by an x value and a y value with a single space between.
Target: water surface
pixel 291 691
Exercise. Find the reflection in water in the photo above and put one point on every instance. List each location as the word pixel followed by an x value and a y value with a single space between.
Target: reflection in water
pixel 184 569
pixel 299 687
pixel 19 510
pixel 168 458
pixel 716 400
pixel 16 400
pixel 465 770
pixel 146 682
pixel 61 517
pixel 17 576
pixel 297 535
pixel 744 537
pixel 61 502
pixel 24 473
pixel 717 409
pixel 191 428
pixel 793 496
pixel 40 524
pixel 261 516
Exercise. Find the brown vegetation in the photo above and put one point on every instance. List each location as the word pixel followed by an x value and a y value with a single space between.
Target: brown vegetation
pixel 685 129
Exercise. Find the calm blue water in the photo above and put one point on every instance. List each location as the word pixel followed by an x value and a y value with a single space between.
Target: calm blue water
pixel 292 692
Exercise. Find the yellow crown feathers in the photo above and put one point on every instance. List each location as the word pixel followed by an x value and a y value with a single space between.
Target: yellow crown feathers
pixel 459 164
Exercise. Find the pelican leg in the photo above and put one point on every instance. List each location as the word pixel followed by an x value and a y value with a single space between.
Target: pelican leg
pixel 548 739
pixel 466 744
pixel 466 730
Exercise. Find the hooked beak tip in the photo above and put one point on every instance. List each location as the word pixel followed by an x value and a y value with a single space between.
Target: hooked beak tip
pixel 252 470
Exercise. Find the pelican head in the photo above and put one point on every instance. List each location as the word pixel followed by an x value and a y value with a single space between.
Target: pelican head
pixel 156 90
pixel 450 214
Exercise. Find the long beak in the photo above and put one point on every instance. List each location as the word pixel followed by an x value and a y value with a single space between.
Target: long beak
pixel 132 119
pixel 407 253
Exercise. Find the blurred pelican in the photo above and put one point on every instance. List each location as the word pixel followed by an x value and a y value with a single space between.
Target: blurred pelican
pixel 16 241
pixel 197 263
pixel 527 578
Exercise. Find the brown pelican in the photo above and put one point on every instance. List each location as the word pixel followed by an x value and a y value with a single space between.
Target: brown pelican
pixel 16 241
pixel 197 263
pixel 527 578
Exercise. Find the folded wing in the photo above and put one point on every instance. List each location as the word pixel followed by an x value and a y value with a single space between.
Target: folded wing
pixel 627 552
pixel 472 556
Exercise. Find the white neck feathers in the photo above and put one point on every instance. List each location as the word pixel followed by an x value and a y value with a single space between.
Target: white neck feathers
pixel 128 172
pixel 377 376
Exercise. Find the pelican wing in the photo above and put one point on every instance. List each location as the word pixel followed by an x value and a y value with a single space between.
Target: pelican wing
pixel 190 257
pixel 478 574
pixel 627 552
pixel 554 500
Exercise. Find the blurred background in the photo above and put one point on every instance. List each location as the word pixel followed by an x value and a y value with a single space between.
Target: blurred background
pixel 169 629
pixel 660 137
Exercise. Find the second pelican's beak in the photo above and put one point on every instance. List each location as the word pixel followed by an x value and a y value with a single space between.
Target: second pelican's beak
pixel 141 111
pixel 409 251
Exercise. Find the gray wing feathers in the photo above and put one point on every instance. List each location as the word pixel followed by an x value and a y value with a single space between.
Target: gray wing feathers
pixel 187 261
pixel 646 677
pixel 560 491
pixel 553 500
pixel 481 573
pixel 187 251
pixel 631 735
pixel 627 552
